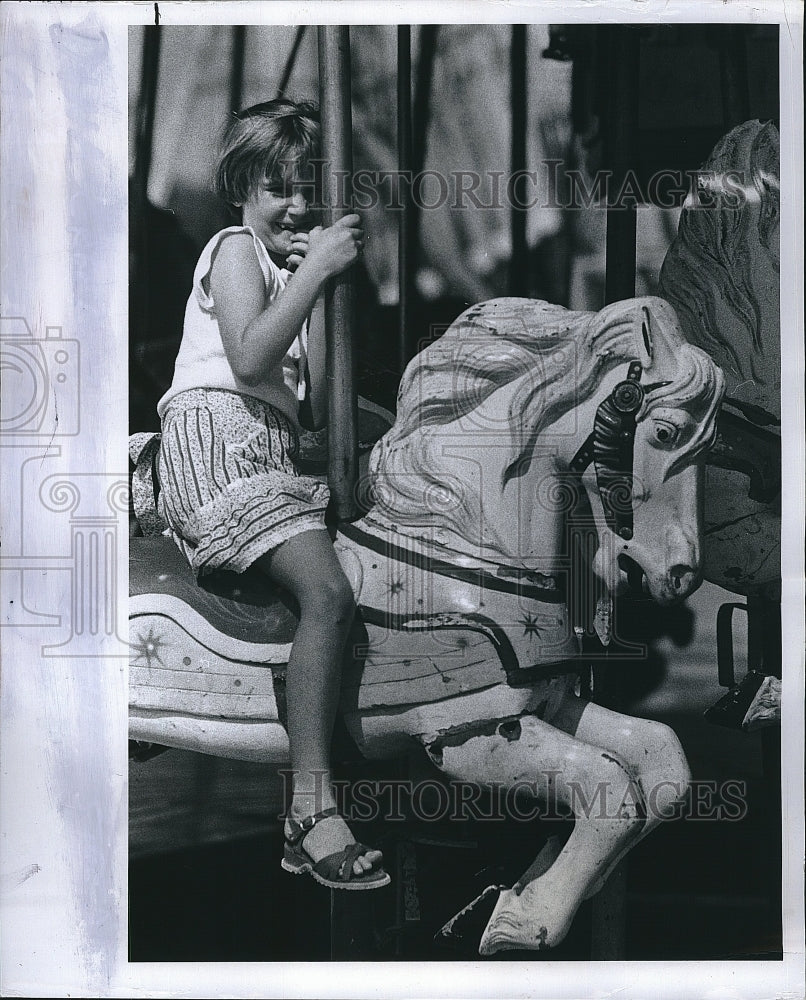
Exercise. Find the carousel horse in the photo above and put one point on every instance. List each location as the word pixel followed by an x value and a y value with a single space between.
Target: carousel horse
pixel 520 413
pixel 722 275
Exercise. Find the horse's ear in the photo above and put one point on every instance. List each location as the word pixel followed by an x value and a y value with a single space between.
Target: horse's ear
pixel 645 342
pixel 657 331
pixel 627 328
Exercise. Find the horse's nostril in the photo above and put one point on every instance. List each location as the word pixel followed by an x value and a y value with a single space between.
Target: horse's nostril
pixel 680 575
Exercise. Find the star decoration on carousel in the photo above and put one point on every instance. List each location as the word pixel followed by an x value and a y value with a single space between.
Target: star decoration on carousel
pixel 395 587
pixel 530 627
pixel 148 648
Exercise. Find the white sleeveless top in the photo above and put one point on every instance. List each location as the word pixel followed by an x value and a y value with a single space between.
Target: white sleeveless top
pixel 202 362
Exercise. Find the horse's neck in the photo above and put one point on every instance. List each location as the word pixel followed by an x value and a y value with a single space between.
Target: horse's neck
pixel 506 489
pixel 433 542
pixel 521 509
pixel 514 525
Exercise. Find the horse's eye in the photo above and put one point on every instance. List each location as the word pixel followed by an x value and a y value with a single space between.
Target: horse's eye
pixel 665 433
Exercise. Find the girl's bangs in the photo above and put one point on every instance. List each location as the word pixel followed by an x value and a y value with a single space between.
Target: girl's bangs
pixel 298 168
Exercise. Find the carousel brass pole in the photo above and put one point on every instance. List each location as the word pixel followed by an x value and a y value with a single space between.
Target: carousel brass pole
pixel 733 74
pixel 518 261
pixel 291 62
pixel 622 43
pixel 405 261
pixel 609 906
pixel 144 116
pixel 237 58
pixel 138 205
pixel 420 114
pixel 337 154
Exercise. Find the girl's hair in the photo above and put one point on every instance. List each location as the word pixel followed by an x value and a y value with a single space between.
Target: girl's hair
pixel 264 142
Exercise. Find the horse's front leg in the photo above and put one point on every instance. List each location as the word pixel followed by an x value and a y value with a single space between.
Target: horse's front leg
pixel 651 751
pixel 594 784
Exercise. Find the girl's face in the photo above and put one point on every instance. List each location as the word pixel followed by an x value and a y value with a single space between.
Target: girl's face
pixel 276 210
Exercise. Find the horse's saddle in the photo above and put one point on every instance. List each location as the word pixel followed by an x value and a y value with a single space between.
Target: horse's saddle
pixel 241 606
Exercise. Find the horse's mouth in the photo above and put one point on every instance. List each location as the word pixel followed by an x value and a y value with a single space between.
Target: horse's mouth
pixel 638 586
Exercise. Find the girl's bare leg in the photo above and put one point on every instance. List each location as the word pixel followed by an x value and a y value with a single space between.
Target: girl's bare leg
pixel 307 566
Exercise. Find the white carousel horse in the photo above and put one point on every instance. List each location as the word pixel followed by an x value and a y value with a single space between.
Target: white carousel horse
pixel 722 275
pixel 460 575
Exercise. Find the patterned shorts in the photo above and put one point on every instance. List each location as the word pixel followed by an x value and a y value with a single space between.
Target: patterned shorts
pixel 229 489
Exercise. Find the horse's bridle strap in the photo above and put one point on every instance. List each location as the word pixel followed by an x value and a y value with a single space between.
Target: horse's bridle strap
pixel 610 447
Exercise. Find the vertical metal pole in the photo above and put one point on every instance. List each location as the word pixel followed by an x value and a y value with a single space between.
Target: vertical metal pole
pixel 518 263
pixel 764 615
pixel 146 105
pixel 138 199
pixel 352 925
pixel 237 54
pixel 404 162
pixel 609 918
pixel 420 113
pixel 609 906
pixel 734 75
pixel 621 156
pixel 422 94
pixel 291 62
pixel 337 153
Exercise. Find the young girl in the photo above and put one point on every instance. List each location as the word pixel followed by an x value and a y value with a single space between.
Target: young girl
pixel 230 491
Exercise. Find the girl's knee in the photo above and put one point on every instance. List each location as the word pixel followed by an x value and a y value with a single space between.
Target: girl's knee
pixel 332 600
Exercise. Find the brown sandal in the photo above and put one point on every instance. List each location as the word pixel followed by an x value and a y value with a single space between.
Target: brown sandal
pixel 335 870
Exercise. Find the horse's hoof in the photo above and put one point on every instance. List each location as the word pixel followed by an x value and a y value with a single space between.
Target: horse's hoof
pixel 490 942
pixel 510 929
pixel 501 930
pixel 495 939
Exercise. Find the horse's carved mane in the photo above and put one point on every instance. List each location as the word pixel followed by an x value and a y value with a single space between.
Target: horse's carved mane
pixel 551 356
pixel 721 272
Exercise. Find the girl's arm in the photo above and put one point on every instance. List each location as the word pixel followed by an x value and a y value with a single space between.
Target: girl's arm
pixel 256 337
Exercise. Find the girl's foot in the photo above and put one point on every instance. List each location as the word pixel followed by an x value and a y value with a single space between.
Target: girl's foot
pixel 328 836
